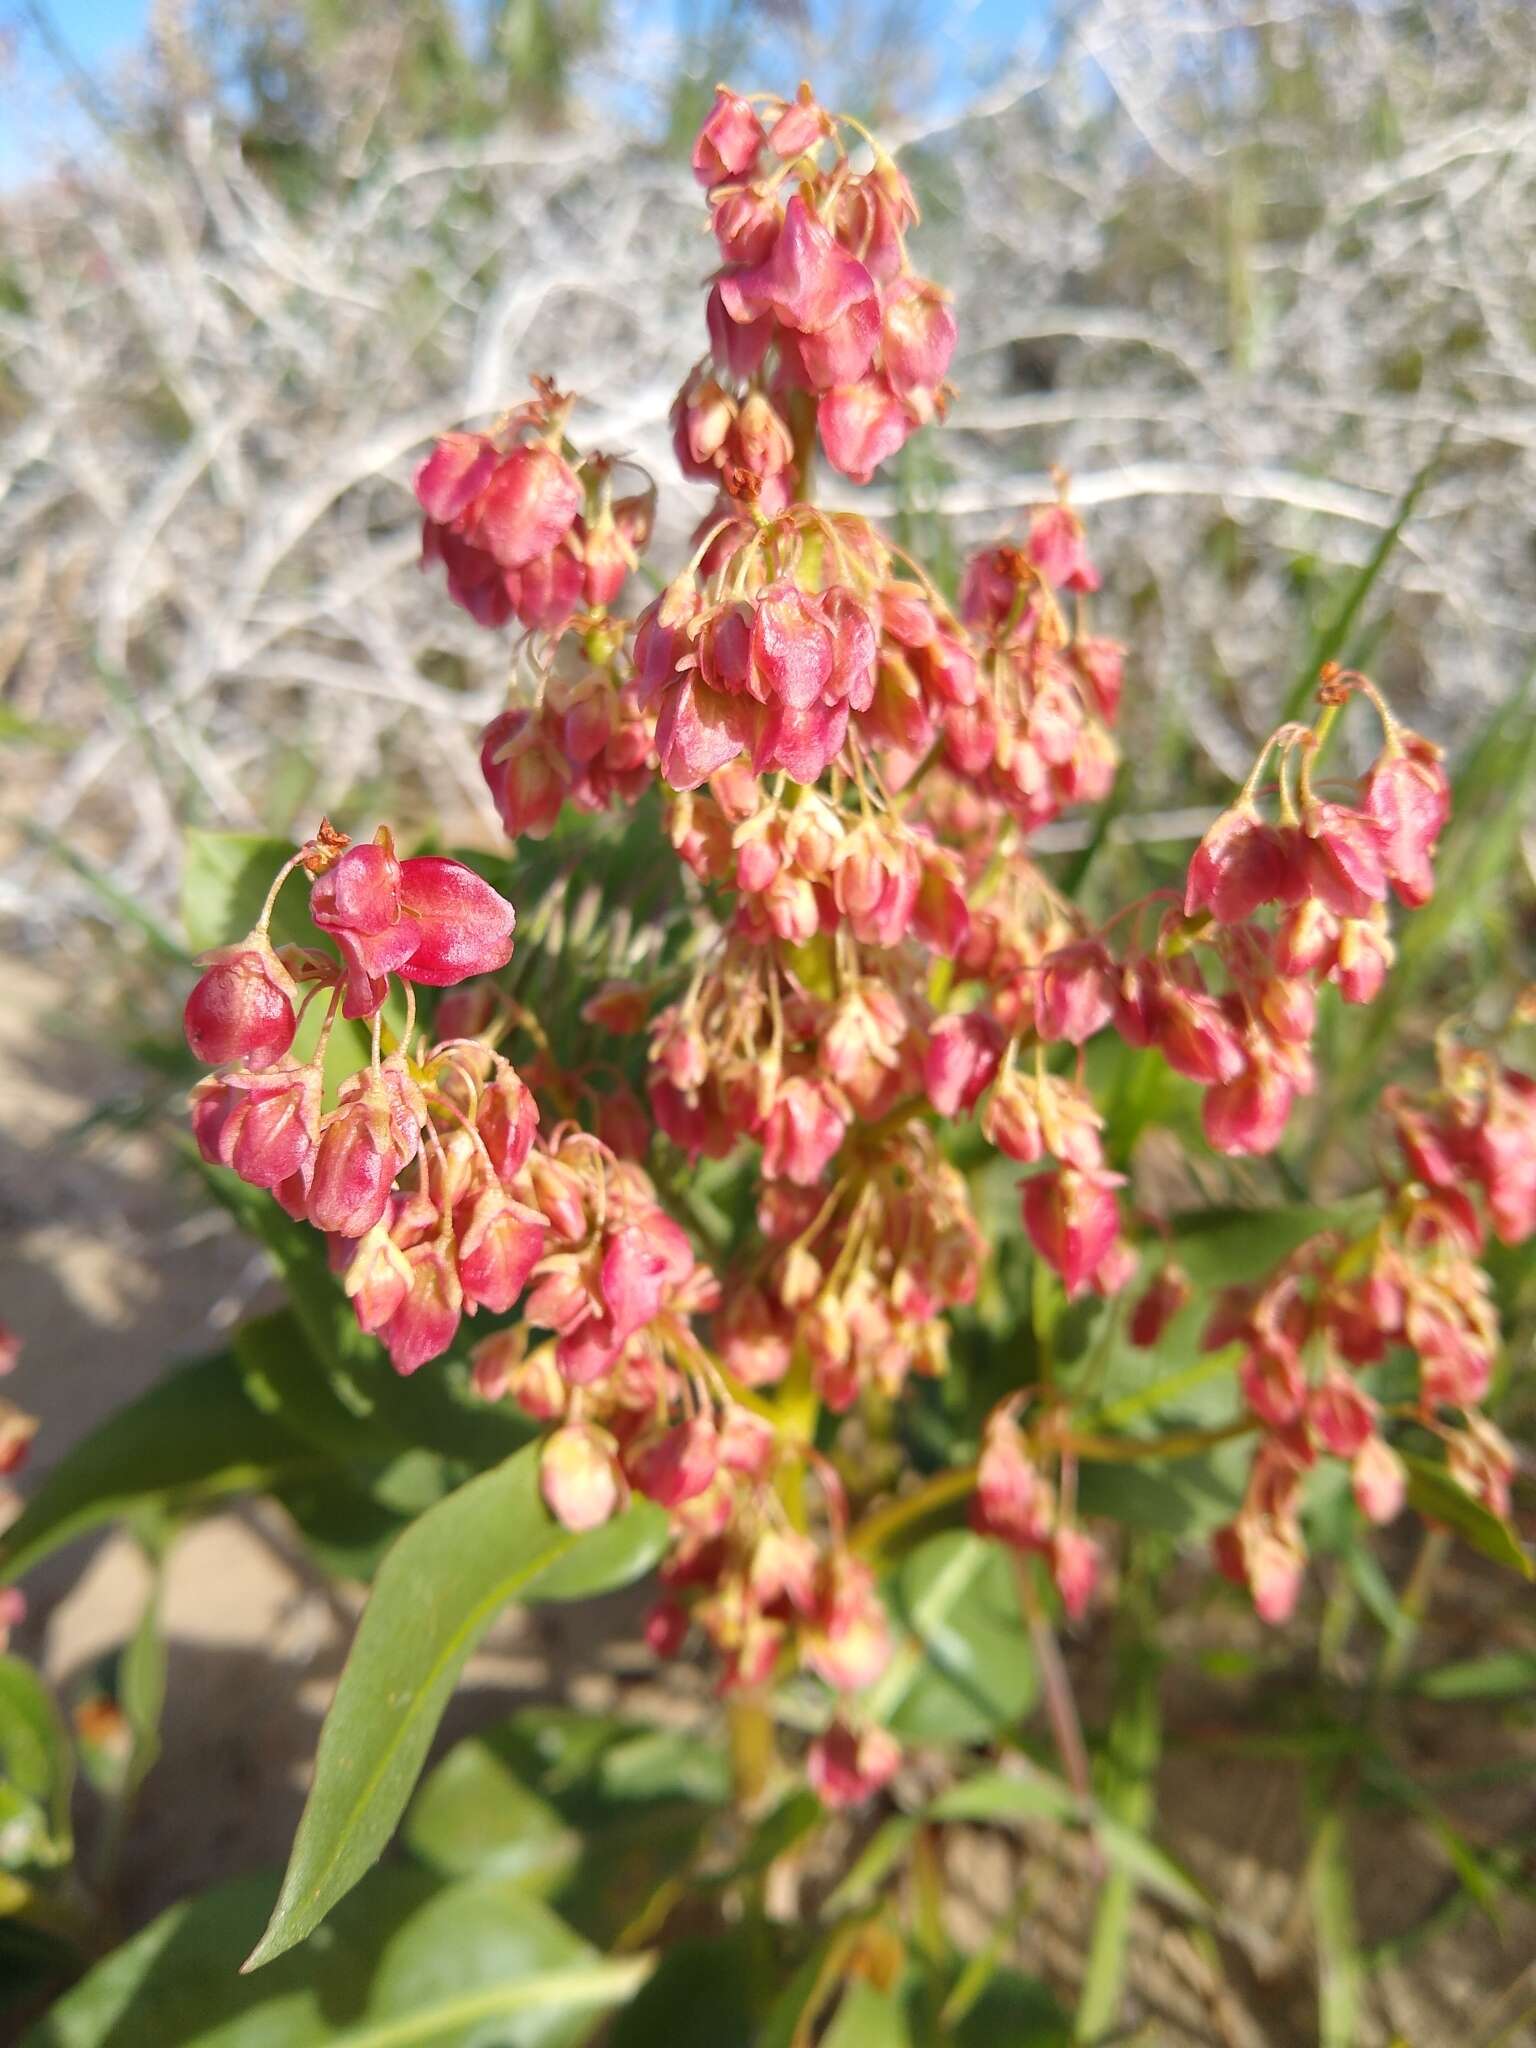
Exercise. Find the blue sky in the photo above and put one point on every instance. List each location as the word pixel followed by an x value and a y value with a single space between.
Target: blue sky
pixel 39 113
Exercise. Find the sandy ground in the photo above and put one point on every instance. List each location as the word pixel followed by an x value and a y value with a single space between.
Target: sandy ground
pixel 109 1275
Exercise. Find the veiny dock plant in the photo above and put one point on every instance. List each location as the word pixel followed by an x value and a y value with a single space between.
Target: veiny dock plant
pixel 768 1180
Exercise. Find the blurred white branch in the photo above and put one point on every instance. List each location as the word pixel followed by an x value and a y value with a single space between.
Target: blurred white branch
pixel 1240 344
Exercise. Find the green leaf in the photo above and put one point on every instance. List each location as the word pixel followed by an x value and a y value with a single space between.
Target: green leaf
pixel 435 1594
pixel 956 1593
pixel 1330 643
pixel 37 1768
pixel 1013 2011
pixel 432 1410
pixel 634 1802
pixel 867 2018
pixel 194 1436
pixel 622 1551
pixel 1129 1795
pixel 285 1378
pixel 407 1963
pixel 225 877
pixel 1504 1675
pixel 1433 1493
pixel 475 1816
pixel 1340 1969
pixel 704 1995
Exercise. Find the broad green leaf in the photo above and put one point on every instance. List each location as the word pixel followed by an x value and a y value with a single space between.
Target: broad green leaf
pixel 475 1816
pixel 194 1436
pixel 957 1595
pixel 36 1770
pixel 1013 2011
pixel 1183 1497
pixel 346 1531
pixel 587 1764
pixel 705 1994
pixel 435 1594
pixel 406 1963
pixel 1222 1247
pixel 225 877
pixel 284 1378
pixel 622 1551
pixel 1433 1493
pixel 630 1804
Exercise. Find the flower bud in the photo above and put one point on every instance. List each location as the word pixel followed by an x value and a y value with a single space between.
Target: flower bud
pixel 427 1319
pixel 844 1768
pixel 499 1242
pixel 1168 1292
pixel 264 1125
pixel 727 144
pixel 1011 1120
pixel 1379 1479
pixel 242 1006
pixel 579 1476
pixel 1013 1501
pixel 507 1120
pixel 1073 1220
pixel 802 1131
pixel 678 1464
pixel 1407 796
pixel 356 1163
pixel 860 425
pixel 1076 1562
pixel 378 1279
pixel 1240 865
pixel 1057 549
pixel 666 1628
pixel 960 1061
pixel 1075 998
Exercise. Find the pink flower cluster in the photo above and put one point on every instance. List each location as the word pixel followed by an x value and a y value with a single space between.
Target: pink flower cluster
pixel 587 743
pixel 1229 1001
pixel 1018 1502
pixel 851 769
pixel 518 530
pixel 815 310
pixel 1338 1307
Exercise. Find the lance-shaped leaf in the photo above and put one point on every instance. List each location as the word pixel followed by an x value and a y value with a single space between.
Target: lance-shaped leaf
pixel 436 1592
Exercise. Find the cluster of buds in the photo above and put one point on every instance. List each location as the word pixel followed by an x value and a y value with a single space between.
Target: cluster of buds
pixel 1037 737
pixel 1338 1307
pixel 816 310
pixel 659 1418
pixel 860 1273
pixel 1229 1000
pixel 415 1259
pixel 586 742
pixel 519 530
pixel 1324 868
pixel 1025 1480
